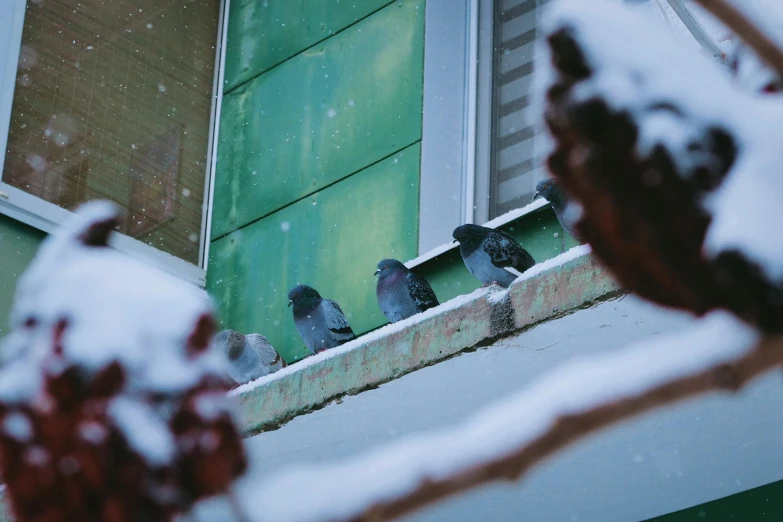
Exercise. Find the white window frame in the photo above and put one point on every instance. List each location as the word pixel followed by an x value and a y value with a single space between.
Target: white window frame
pixel 47 216
pixel 457 123
pixel 457 118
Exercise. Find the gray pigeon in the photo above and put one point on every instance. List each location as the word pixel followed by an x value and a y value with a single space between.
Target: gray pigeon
pixel 249 356
pixel 565 211
pixel 319 321
pixel 401 293
pixel 488 252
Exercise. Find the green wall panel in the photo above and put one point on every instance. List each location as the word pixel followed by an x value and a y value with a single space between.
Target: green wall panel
pixel 331 240
pixel 262 33
pixel 18 244
pixel 762 504
pixel 539 233
pixel 333 110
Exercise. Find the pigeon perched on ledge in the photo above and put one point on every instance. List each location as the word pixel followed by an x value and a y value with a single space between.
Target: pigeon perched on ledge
pixel 401 293
pixel 320 322
pixel 249 356
pixel 566 211
pixel 487 254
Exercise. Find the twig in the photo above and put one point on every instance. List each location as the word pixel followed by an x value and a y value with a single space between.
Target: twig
pixel 509 439
pixel 695 29
pixel 737 21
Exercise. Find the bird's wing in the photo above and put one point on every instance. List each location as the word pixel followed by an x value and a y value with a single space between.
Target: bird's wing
pixel 266 352
pixel 421 292
pixel 504 252
pixel 336 322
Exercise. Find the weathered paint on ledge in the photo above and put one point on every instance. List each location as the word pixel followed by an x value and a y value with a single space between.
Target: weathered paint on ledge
pixel 478 322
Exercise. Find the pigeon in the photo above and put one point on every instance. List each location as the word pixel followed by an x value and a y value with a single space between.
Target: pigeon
pixel 249 356
pixel 566 211
pixel 319 321
pixel 401 293
pixel 488 252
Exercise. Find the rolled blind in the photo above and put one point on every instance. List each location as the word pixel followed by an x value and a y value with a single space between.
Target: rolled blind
pixel 514 171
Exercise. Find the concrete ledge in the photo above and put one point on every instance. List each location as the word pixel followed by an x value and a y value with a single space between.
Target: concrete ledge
pixel 552 289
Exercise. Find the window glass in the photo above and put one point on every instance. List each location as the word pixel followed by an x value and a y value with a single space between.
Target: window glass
pixel 514 170
pixel 113 101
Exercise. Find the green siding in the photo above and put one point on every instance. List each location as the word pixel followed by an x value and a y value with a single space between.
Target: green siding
pixel 332 240
pixel 326 113
pixel 539 233
pixel 263 33
pixel 762 504
pixel 18 244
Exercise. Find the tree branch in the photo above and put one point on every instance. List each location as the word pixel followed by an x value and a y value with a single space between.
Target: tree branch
pixel 737 21
pixel 507 440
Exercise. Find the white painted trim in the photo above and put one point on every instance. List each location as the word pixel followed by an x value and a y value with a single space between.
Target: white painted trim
pixel 485 61
pixel 471 86
pixel 11 26
pixel 445 119
pixel 214 135
pixel 34 211
pixel 499 221
pixel 46 216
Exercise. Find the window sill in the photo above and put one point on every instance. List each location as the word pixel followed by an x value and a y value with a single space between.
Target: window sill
pixel 554 288
pixel 499 221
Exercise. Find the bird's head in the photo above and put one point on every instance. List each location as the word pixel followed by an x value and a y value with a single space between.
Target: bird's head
pixel 469 234
pixel 230 342
pixel 387 265
pixel 549 189
pixel 301 295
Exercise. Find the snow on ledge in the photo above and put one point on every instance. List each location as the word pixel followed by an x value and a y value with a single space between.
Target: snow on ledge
pixel 499 221
pixel 539 268
pixel 350 487
pixel 493 294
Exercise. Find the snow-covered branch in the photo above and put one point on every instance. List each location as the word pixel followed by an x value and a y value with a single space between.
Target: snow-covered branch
pixel 675 168
pixel 508 439
pixel 733 18
pixel 112 406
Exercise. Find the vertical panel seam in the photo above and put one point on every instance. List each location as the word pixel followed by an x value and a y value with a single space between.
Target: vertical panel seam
pixel 291 57
pixel 305 196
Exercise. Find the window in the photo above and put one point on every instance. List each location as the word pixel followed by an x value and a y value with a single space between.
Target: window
pixel 482 145
pixel 513 171
pixel 480 154
pixel 117 100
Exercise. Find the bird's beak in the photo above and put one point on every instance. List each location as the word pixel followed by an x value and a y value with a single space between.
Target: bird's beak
pixel 538 195
pixel 290 302
pixel 377 272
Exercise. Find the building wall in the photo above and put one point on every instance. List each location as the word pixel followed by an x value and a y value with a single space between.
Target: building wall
pixel 18 244
pixel 318 162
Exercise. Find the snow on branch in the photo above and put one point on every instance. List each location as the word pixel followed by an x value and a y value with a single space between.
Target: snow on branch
pixel 112 406
pixel 733 18
pixel 507 439
pixel 676 168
